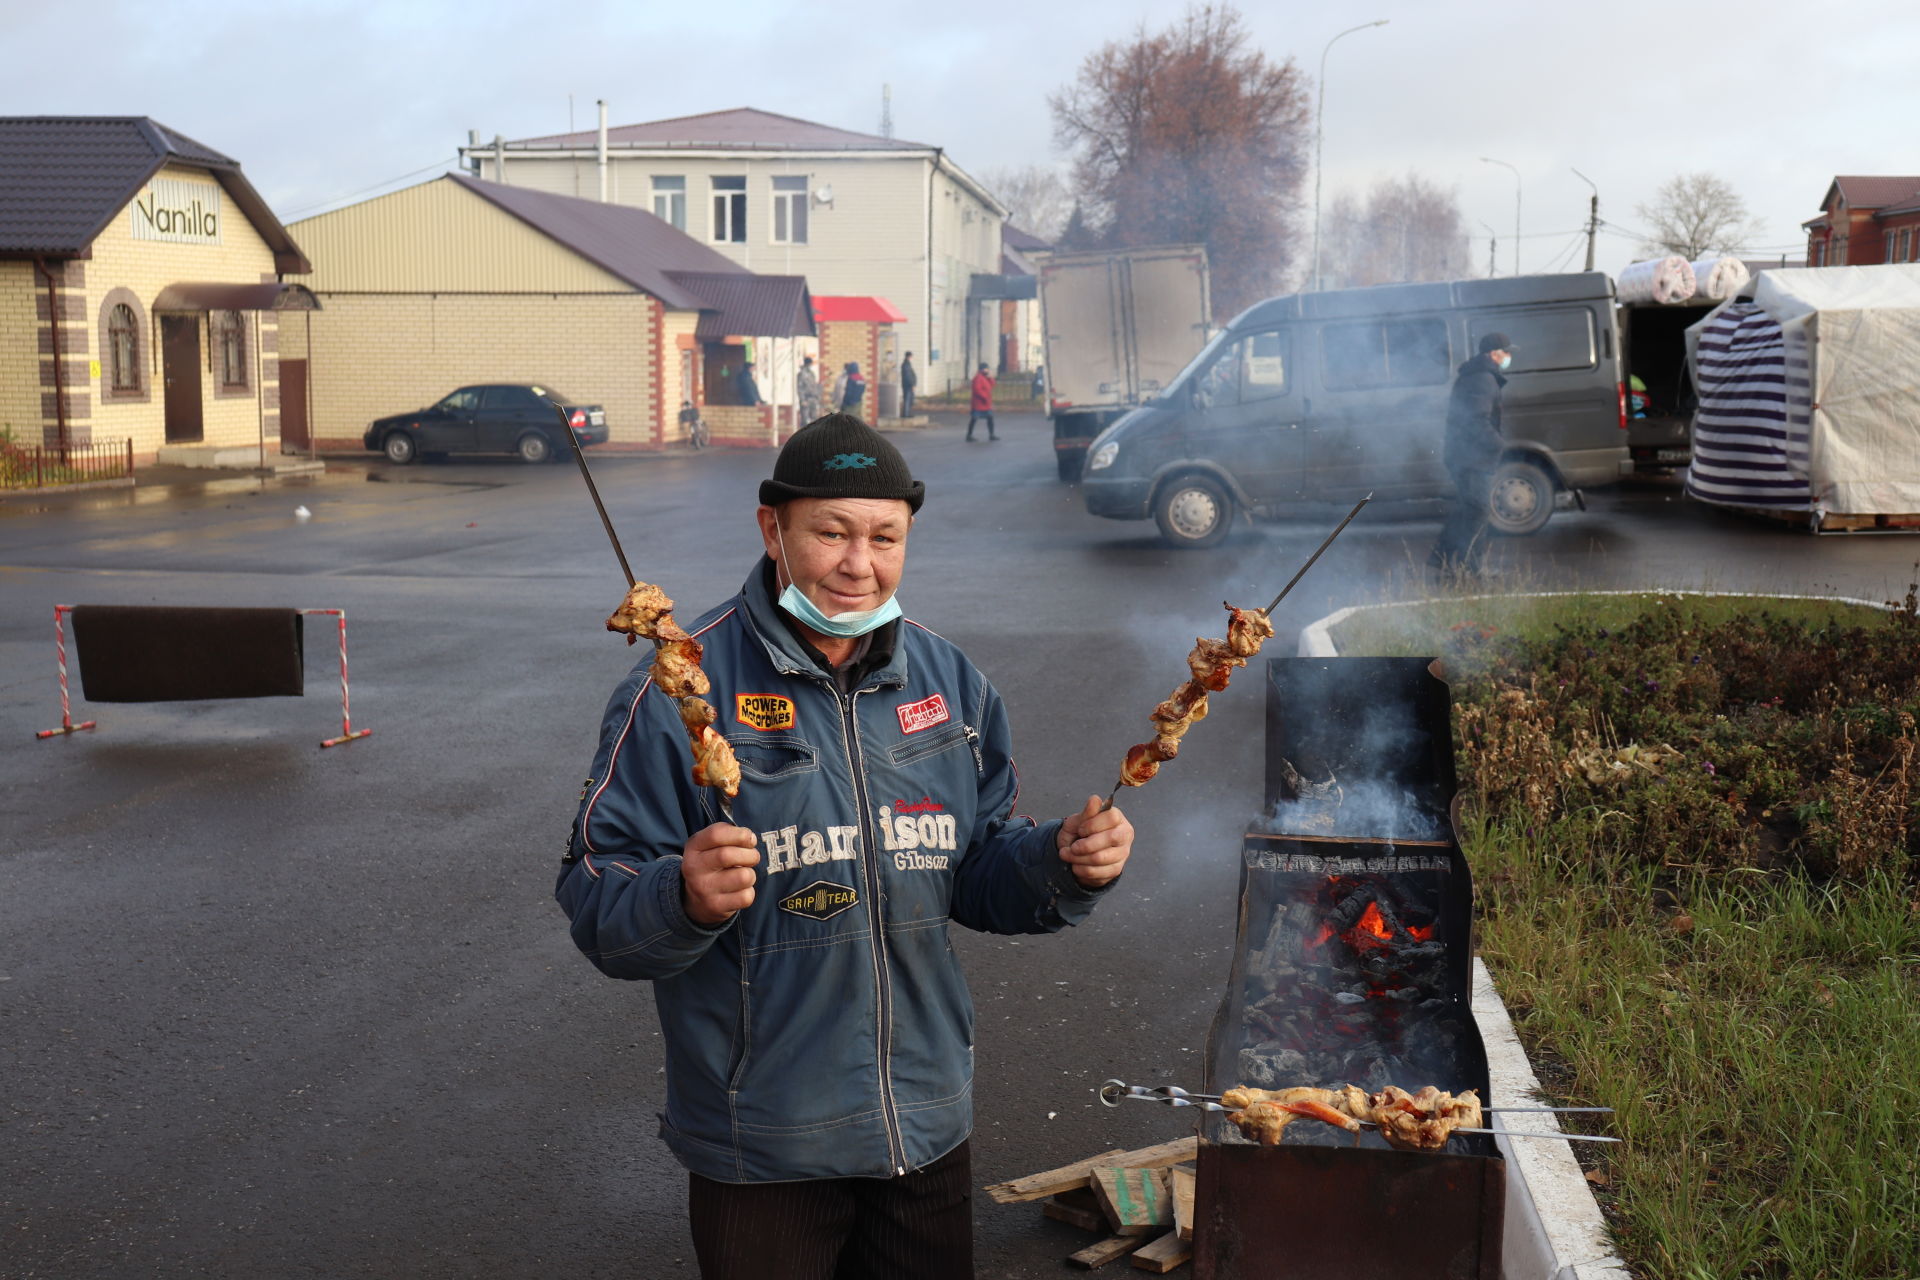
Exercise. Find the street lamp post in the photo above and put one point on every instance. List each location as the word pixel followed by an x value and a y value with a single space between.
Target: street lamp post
pixel 1516 208
pixel 1319 112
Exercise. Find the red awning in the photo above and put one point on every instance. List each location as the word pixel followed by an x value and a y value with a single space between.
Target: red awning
pixel 875 310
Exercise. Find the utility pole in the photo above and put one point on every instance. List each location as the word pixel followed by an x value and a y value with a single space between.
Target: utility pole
pixel 1516 207
pixel 1493 244
pixel 1593 216
pixel 1319 113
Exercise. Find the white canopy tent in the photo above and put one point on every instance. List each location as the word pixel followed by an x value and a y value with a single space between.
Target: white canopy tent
pixel 1849 346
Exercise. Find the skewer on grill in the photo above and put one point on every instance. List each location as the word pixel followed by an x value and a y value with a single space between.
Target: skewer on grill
pixel 1114 1091
pixel 1212 663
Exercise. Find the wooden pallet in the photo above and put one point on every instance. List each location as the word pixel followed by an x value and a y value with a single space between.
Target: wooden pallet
pixel 1835 521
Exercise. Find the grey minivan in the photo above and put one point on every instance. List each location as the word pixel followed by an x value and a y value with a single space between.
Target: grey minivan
pixel 1330 395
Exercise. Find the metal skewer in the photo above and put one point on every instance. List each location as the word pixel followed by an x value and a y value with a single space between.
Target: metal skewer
pixel 1113 1092
pixel 579 456
pixel 1271 606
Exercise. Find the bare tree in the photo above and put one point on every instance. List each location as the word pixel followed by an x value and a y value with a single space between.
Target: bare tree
pixel 1191 135
pixel 1694 214
pixel 1408 229
pixel 1037 197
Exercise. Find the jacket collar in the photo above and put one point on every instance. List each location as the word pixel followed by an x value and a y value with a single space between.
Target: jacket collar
pixel 793 656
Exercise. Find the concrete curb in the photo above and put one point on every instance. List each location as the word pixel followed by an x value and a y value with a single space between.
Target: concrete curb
pixel 45 490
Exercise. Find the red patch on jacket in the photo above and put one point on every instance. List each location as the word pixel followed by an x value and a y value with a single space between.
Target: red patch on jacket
pixel 924 714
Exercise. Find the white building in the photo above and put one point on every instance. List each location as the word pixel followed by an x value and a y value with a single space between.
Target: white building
pixel 856 214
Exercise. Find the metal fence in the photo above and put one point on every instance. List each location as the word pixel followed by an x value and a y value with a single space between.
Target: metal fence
pixel 39 466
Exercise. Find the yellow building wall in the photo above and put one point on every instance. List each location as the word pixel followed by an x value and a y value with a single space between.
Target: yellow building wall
pixel 146 267
pixel 381 354
pixel 19 353
pixel 439 237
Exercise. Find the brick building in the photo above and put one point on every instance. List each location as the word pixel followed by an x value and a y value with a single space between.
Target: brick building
pixel 458 281
pixel 859 215
pixel 1864 221
pixel 141 282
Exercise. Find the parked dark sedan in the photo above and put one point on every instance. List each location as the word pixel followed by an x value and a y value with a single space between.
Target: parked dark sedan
pixel 515 417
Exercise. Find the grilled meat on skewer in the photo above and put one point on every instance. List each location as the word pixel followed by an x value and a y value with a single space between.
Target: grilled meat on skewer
pixel 1139 766
pixel 1247 630
pixel 1186 708
pixel 1212 663
pixel 1422 1121
pixel 648 611
pixel 676 669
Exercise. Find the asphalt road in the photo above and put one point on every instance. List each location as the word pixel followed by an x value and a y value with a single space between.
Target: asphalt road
pixel 268 1010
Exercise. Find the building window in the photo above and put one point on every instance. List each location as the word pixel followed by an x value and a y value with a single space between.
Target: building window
pixel 123 348
pixel 730 210
pixel 1900 255
pixel 790 210
pixel 233 349
pixel 670 202
pixel 1886 249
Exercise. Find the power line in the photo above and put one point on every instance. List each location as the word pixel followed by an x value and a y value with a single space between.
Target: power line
pixel 387 182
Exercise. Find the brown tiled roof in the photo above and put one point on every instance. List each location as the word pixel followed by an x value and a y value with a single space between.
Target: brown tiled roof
pixel 740 129
pixel 750 305
pixel 631 243
pixel 1870 192
pixel 63 178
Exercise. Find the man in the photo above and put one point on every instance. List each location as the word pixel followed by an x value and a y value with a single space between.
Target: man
pixel 746 388
pixel 852 388
pixel 1471 453
pixel 818 1083
pixel 806 390
pixel 908 381
pixel 981 404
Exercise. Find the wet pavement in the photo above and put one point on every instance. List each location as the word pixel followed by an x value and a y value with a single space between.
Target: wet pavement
pixel 276 1011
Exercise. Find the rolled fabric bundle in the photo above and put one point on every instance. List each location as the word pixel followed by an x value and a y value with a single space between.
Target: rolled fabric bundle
pixel 1661 280
pixel 1720 278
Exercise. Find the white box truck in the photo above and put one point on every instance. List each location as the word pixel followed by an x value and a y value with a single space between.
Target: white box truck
pixel 1119 325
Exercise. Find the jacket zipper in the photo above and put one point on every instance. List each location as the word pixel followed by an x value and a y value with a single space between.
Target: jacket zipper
pixel 883 982
pixel 973 742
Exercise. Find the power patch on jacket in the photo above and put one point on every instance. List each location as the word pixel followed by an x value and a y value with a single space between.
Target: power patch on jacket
pixel 821 900
pixel 924 714
pixel 763 711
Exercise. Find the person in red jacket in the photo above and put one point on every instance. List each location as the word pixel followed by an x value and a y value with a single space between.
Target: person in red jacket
pixel 982 403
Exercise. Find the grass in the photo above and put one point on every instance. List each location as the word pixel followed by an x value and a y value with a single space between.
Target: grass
pixel 1749 1007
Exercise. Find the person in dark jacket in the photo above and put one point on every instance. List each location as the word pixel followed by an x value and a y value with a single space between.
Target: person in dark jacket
pixel 745 389
pixel 853 388
pixel 909 379
pixel 1471 453
pixel 980 402
pixel 817 1030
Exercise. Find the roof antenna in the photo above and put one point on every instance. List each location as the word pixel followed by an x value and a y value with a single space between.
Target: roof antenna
pixel 886 111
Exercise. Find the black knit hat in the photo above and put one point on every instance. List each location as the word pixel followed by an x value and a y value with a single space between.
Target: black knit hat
pixel 1495 342
pixel 839 456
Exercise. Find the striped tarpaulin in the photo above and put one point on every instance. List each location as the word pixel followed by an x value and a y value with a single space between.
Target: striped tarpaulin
pixel 1747 450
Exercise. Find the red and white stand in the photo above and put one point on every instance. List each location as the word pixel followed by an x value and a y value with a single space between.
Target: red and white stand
pixel 60 611
pixel 347 732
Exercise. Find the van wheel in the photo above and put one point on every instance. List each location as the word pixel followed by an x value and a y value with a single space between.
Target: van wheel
pixel 1068 462
pixel 1521 498
pixel 534 447
pixel 1193 512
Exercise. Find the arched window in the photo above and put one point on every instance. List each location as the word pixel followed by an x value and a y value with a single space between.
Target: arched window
pixel 123 348
pixel 233 349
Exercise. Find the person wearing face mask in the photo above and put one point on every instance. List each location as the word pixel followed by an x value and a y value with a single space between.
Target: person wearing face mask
pixel 1472 451
pixel 817 1030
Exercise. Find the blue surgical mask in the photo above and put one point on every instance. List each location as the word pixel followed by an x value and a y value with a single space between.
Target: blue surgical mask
pixel 1504 361
pixel 845 625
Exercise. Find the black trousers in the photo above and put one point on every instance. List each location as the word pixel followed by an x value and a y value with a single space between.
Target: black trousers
pixel 975 416
pixel 919 1226
pixel 906 402
pixel 1462 543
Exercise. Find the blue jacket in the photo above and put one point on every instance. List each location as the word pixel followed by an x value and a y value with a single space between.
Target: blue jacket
pixel 797 1046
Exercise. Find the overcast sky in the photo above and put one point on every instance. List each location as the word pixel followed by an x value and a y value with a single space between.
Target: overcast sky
pixel 322 101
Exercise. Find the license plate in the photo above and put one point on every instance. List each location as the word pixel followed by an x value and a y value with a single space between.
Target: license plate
pixel 1673 455
pixel 597 419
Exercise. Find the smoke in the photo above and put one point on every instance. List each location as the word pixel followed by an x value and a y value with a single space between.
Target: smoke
pixel 1366 808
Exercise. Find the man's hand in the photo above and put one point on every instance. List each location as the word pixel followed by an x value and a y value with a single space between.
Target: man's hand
pixel 1096 844
pixel 716 873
